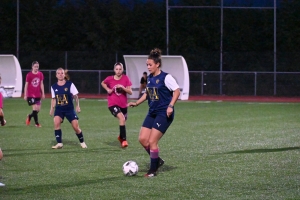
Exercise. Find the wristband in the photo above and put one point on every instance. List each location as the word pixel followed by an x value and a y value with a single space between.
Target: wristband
pixel 170 106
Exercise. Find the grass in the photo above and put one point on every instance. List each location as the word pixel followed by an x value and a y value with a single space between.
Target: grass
pixel 216 150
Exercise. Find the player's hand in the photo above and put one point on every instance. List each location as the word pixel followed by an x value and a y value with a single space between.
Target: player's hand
pixel 131 104
pixel 109 91
pixel 25 97
pixel 78 109
pixel 43 96
pixel 169 111
pixel 51 112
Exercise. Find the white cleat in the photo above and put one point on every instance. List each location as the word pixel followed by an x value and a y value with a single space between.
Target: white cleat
pixel 83 145
pixel 2 184
pixel 58 146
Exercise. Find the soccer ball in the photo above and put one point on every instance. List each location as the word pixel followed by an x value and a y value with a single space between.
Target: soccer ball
pixel 130 168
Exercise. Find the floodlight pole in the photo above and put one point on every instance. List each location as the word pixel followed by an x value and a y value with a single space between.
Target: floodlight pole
pixel 275 48
pixel 221 50
pixel 18 9
pixel 167 25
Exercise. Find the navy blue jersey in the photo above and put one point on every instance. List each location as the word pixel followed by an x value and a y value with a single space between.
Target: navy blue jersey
pixel 158 94
pixel 64 95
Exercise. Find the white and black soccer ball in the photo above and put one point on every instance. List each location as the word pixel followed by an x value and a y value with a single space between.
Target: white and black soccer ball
pixel 130 168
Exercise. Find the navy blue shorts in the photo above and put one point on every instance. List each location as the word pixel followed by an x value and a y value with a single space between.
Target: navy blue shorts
pixel 70 115
pixel 160 121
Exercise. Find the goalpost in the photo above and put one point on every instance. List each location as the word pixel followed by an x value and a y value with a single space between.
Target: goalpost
pixel 11 76
pixel 175 65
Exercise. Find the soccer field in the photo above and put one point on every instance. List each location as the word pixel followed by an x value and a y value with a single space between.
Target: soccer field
pixel 213 150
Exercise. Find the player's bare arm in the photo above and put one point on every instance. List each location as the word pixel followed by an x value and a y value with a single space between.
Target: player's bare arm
pixel 25 91
pixel 42 90
pixel 138 102
pixel 53 103
pixel 109 91
pixel 77 103
pixel 170 109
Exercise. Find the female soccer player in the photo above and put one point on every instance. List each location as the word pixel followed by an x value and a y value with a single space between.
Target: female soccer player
pixel 63 92
pixel 117 87
pixel 2 120
pixel 33 92
pixel 162 92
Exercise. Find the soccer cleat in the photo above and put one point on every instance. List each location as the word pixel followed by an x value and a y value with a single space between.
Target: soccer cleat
pixel 161 162
pixel 150 174
pixel 2 184
pixel 38 125
pixel 120 140
pixel 83 145
pixel 124 144
pixel 27 120
pixel 4 122
pixel 58 146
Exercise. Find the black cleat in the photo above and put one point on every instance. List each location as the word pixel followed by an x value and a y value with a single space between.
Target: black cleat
pixel 161 162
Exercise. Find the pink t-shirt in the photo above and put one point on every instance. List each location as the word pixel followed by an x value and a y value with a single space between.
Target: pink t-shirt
pixel 116 98
pixel 34 84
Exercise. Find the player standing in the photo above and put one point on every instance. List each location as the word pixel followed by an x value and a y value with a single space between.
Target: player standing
pixel 2 120
pixel 162 92
pixel 117 87
pixel 34 92
pixel 63 92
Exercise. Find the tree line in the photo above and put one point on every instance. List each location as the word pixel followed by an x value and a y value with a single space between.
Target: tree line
pixel 95 32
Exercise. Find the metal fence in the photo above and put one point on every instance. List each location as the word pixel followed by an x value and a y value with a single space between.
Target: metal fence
pixel 201 82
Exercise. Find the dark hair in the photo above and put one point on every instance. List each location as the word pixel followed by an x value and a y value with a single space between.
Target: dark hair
pixel 34 62
pixel 155 55
pixel 145 73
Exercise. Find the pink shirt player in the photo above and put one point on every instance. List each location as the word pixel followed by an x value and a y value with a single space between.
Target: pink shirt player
pixel 117 87
pixel 34 92
pixel 34 84
pixel 117 97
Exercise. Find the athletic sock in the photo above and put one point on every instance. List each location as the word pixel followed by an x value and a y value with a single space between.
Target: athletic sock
pixel 148 151
pixel 58 134
pixel 123 132
pixel 154 159
pixel 80 137
pixel 35 116
pixel 2 119
pixel 30 116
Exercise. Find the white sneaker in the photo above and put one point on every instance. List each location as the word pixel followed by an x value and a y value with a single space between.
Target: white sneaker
pixel 2 184
pixel 58 146
pixel 83 145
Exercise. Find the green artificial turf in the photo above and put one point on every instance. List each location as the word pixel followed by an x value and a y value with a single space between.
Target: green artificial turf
pixel 213 150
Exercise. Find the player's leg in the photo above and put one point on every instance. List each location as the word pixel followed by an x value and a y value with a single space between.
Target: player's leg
pixel 2 120
pixel 160 125
pixel 116 112
pixel 122 117
pixel 58 119
pixel 73 119
pixel 36 109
